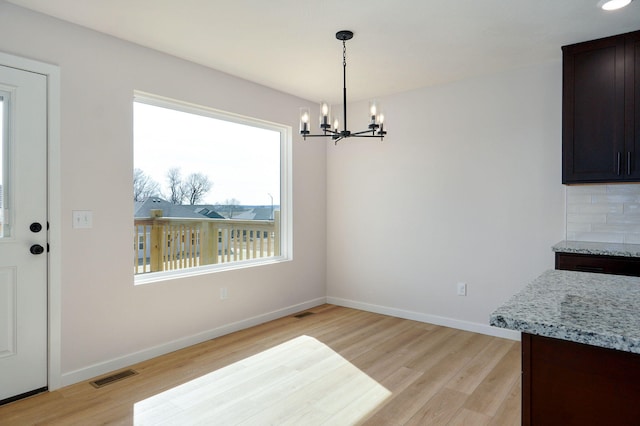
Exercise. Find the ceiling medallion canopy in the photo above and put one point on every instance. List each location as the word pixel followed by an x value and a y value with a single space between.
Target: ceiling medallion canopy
pixel 376 116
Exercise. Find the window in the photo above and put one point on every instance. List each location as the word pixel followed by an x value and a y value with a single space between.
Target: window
pixel 211 190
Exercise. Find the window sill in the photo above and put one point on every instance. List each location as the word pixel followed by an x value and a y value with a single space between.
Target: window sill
pixel 153 277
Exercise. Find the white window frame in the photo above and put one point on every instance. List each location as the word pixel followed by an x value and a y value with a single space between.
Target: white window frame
pixel 286 188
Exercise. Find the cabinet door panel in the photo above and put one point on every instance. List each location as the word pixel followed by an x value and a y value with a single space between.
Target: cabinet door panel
pixel 593 112
pixel 632 103
pixel 567 383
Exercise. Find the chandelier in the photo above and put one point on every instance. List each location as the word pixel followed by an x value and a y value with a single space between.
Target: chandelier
pixel 376 117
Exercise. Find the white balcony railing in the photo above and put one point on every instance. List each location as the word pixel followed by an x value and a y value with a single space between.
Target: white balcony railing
pixel 165 244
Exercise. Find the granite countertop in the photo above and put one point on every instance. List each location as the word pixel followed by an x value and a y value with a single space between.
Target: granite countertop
pixel 606 249
pixel 595 309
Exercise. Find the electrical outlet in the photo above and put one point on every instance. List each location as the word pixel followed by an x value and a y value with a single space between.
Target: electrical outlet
pixel 224 293
pixel 462 289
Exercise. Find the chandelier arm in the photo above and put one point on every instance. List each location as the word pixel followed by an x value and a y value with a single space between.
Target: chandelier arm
pixel 327 132
pixel 364 132
pixel 321 135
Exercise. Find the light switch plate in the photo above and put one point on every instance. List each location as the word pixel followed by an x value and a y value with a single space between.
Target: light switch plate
pixel 462 289
pixel 82 219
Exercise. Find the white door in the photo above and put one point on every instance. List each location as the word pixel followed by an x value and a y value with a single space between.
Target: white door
pixel 23 247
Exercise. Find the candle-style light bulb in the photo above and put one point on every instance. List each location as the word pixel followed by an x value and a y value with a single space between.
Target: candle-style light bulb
pixel 373 111
pixel 336 124
pixel 325 111
pixel 304 120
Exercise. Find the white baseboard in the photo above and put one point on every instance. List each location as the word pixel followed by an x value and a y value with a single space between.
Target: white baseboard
pixel 431 319
pixel 136 357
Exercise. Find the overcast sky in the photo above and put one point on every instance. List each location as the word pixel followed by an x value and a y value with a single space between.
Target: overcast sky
pixel 243 162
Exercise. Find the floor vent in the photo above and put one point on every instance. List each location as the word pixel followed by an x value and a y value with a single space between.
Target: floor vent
pixel 303 314
pixel 113 378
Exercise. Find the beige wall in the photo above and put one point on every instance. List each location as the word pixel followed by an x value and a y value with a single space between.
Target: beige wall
pixel 465 188
pixel 106 320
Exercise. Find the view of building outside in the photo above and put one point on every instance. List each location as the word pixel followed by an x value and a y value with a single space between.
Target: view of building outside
pixel 211 181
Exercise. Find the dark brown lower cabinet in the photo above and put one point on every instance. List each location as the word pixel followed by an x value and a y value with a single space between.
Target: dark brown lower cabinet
pixel 567 383
pixel 616 265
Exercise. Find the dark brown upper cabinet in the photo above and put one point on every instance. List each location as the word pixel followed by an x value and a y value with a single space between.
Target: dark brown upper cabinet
pixel 601 110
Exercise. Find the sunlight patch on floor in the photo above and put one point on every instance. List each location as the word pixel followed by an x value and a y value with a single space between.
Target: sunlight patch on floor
pixel 301 381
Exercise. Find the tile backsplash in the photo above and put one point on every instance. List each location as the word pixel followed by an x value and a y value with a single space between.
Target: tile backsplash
pixel 604 213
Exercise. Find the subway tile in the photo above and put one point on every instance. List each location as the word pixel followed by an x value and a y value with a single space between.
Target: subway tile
pixel 621 219
pixel 614 228
pixel 587 189
pixel 578 227
pixel 624 189
pixel 586 218
pixel 598 237
pixel 632 238
pixel 595 208
pixel 603 213
pixel 631 208
pixel 579 198
pixel 614 198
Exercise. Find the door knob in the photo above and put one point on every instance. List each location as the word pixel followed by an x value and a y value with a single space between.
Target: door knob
pixel 35 227
pixel 36 249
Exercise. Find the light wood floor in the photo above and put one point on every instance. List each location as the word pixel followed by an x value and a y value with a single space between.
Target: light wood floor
pixel 354 367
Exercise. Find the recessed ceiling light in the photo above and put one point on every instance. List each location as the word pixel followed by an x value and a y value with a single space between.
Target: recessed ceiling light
pixel 613 4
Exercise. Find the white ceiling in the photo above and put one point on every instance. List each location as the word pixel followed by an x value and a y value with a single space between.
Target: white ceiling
pixel 399 45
